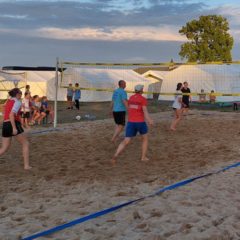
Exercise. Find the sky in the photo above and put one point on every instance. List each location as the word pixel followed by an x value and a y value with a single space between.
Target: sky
pixel 34 33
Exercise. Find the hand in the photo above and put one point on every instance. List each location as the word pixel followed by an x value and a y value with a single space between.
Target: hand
pixel 14 132
pixel 150 122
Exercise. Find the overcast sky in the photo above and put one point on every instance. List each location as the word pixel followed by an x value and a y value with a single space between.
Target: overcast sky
pixel 34 33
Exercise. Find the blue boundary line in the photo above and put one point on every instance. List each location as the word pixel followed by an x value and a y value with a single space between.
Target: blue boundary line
pixel 115 208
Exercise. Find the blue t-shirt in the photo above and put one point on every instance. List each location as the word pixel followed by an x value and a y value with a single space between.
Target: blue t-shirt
pixel 77 94
pixel 118 96
pixel 45 104
pixel 69 91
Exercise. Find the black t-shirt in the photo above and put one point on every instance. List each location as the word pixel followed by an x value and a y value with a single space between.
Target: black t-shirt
pixel 185 98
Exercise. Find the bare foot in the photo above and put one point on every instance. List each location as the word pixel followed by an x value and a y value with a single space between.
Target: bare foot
pixel 113 161
pixel 145 159
pixel 27 168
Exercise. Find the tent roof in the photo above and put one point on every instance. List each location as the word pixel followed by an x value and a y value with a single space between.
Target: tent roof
pixel 24 68
pixel 99 74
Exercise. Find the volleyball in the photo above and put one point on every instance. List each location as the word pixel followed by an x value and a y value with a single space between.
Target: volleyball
pixel 78 117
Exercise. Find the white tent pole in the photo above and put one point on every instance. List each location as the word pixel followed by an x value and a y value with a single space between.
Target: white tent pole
pixel 56 95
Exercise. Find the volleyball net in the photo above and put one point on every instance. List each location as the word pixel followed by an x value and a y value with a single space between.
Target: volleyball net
pixel 97 81
pixel 100 79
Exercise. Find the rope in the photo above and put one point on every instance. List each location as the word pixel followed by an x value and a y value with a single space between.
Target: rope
pixel 117 207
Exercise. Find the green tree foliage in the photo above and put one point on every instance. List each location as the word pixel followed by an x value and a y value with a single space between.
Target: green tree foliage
pixel 209 40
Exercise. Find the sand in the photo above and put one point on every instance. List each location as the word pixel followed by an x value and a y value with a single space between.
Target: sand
pixel 72 176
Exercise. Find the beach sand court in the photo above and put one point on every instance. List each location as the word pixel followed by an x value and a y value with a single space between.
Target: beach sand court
pixel 72 176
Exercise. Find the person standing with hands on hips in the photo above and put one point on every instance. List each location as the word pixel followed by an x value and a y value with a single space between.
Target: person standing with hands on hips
pixel 137 117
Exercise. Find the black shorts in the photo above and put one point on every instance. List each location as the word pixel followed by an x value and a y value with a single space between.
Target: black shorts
pixel 186 105
pixel 119 118
pixel 69 98
pixel 7 129
pixel 25 115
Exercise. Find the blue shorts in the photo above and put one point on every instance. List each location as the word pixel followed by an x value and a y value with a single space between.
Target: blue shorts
pixel 134 127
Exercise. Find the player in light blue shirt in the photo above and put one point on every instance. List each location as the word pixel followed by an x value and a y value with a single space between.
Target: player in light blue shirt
pixel 77 96
pixel 118 108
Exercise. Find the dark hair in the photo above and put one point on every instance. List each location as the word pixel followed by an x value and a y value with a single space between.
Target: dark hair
pixel 27 86
pixel 14 92
pixel 35 96
pixel 185 82
pixel 120 82
pixel 179 85
pixel 76 84
pixel 26 93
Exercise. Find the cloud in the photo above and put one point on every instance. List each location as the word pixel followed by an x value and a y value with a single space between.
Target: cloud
pixel 13 16
pixel 78 14
pixel 232 14
pixel 131 33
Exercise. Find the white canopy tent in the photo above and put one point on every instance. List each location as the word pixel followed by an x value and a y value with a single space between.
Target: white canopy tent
pixel 220 78
pixel 9 81
pixel 38 81
pixel 42 83
pixel 101 78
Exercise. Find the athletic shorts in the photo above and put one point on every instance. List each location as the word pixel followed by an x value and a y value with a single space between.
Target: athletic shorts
pixel 185 104
pixel 136 127
pixel 7 129
pixel 25 115
pixel 69 98
pixel 119 118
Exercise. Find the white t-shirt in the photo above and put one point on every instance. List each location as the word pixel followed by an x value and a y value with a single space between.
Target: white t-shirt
pixel 17 105
pixel 25 105
pixel 176 103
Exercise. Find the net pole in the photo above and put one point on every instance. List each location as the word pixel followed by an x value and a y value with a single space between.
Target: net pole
pixel 56 95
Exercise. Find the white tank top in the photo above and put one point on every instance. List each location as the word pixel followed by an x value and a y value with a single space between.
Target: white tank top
pixel 176 103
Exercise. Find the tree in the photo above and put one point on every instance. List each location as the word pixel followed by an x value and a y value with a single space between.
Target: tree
pixel 209 40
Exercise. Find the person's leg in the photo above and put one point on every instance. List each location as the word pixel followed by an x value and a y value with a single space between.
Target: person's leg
pixel 36 116
pixel 144 147
pixel 41 117
pixel 51 115
pixel 25 149
pixel 77 104
pixel 6 142
pixel 118 130
pixel 177 118
pixel 172 127
pixel 22 120
pixel 119 118
pixel 120 148
pixel 26 122
pixel 68 103
pixel 185 110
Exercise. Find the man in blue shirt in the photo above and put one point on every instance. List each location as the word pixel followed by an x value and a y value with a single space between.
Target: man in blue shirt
pixel 118 107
